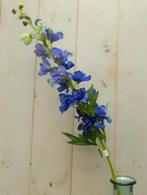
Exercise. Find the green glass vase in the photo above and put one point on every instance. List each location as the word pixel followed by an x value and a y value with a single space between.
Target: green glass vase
pixel 123 185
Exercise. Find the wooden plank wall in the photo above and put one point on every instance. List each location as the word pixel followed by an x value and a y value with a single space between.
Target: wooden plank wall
pixel 108 39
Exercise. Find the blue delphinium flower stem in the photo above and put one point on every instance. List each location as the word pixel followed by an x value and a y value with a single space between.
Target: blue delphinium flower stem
pixel 90 114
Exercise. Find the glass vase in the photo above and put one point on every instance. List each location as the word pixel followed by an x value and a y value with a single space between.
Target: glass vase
pixel 123 185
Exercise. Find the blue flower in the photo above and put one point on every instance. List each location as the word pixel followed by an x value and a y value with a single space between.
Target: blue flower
pixel 97 121
pixel 62 56
pixel 44 67
pixel 80 95
pixel 58 36
pixel 64 60
pixel 41 50
pixel 51 36
pixel 87 122
pixel 79 76
pixel 68 100
pixel 67 64
pixel 101 112
pixel 57 53
pixel 99 125
pixel 58 74
pixel 63 86
pixel 65 55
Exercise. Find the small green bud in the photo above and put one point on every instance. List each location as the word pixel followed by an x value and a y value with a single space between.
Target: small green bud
pixel 20 6
pixel 27 17
pixel 39 25
pixel 37 21
pixel 24 23
pixel 14 11
pixel 21 17
pixel 26 38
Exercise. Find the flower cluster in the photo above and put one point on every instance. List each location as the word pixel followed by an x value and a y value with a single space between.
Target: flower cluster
pixel 96 121
pixel 56 64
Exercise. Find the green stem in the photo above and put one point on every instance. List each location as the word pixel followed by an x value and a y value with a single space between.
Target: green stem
pixel 111 167
pixel 104 147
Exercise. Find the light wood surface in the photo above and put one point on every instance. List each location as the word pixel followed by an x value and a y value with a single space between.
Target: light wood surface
pixel 108 40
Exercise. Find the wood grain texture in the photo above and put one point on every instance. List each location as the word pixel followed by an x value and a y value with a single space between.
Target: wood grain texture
pixel 51 155
pixel 16 100
pixel 96 55
pixel 132 95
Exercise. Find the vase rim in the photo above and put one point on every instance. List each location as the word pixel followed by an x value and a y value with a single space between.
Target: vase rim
pixel 123 180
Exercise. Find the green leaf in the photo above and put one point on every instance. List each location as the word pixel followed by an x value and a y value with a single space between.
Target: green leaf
pixel 81 136
pixel 89 108
pixel 92 99
pixel 101 135
pixel 82 107
pixel 104 133
pixel 81 143
pixel 72 137
pixel 78 140
pixel 100 152
pixel 98 133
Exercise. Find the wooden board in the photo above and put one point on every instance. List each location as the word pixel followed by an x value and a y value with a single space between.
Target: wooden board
pixel 16 102
pixel 131 139
pixel 51 155
pixel 96 55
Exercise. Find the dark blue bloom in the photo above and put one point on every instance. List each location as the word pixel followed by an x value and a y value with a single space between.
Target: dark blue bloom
pixel 44 67
pixel 101 112
pixel 41 50
pixel 62 56
pixel 51 36
pixel 63 86
pixel 79 76
pixel 68 100
pixel 80 95
pixel 97 121
pixel 67 64
pixel 58 74
pixel 87 122
pixel 84 127
pixel 99 125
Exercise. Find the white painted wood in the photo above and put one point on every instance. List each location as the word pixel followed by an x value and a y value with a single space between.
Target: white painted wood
pixel 109 41
pixel 16 100
pixel 96 55
pixel 51 155
pixel 131 134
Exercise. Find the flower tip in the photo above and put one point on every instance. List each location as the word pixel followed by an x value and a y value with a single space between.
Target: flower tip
pixel 14 11
pixel 20 6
